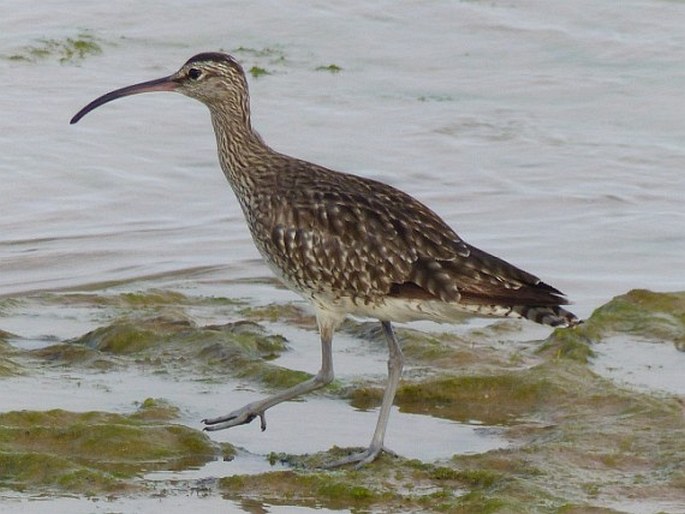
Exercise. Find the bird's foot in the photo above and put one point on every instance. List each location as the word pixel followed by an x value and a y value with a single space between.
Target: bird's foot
pixel 361 459
pixel 240 416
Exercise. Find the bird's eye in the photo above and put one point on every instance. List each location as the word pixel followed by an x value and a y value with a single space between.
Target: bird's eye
pixel 194 73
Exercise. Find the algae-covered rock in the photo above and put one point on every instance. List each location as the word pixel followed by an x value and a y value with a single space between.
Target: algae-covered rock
pixel 389 485
pixel 243 348
pixel 579 442
pixel 119 338
pixel 651 315
pixel 493 400
pixel 94 452
pixel 657 317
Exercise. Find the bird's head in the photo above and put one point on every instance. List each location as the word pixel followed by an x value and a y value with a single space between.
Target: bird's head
pixel 212 78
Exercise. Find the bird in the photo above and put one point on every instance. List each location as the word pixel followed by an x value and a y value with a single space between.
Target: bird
pixel 349 245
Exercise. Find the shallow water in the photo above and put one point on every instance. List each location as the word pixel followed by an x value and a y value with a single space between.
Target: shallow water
pixel 643 364
pixel 172 504
pixel 312 425
pixel 548 133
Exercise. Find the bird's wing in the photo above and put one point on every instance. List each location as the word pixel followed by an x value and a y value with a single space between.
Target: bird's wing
pixel 484 279
pixel 354 235
pixel 369 239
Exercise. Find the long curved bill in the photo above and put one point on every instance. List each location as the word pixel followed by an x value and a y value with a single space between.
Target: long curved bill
pixel 163 84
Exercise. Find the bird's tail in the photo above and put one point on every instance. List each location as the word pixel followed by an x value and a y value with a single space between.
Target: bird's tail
pixel 553 316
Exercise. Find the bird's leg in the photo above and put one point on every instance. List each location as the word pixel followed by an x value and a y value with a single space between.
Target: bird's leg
pixel 257 409
pixel 395 364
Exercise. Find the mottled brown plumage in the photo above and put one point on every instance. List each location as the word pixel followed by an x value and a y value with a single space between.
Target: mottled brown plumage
pixel 348 244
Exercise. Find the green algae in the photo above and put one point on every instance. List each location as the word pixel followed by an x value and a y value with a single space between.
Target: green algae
pixel 272 53
pixel 124 336
pixel 243 348
pixel 8 366
pixel 155 409
pixel 152 299
pixel 66 354
pixel 435 98
pixel 389 484
pixel 8 305
pixel 420 347
pixel 441 350
pixel 22 471
pixel 258 71
pixel 574 344
pixel 344 489
pixel 119 338
pixel 94 452
pixel 289 485
pixel 331 68
pixel 273 376
pixel 261 57
pixel 493 400
pixel 294 314
pixel 640 313
pixel 498 399
pixel 651 315
pixel 579 440
pixel 67 50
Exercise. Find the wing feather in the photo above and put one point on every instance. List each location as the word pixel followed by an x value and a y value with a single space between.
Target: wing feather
pixel 364 239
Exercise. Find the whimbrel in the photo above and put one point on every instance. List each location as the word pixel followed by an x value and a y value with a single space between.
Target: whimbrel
pixel 349 245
